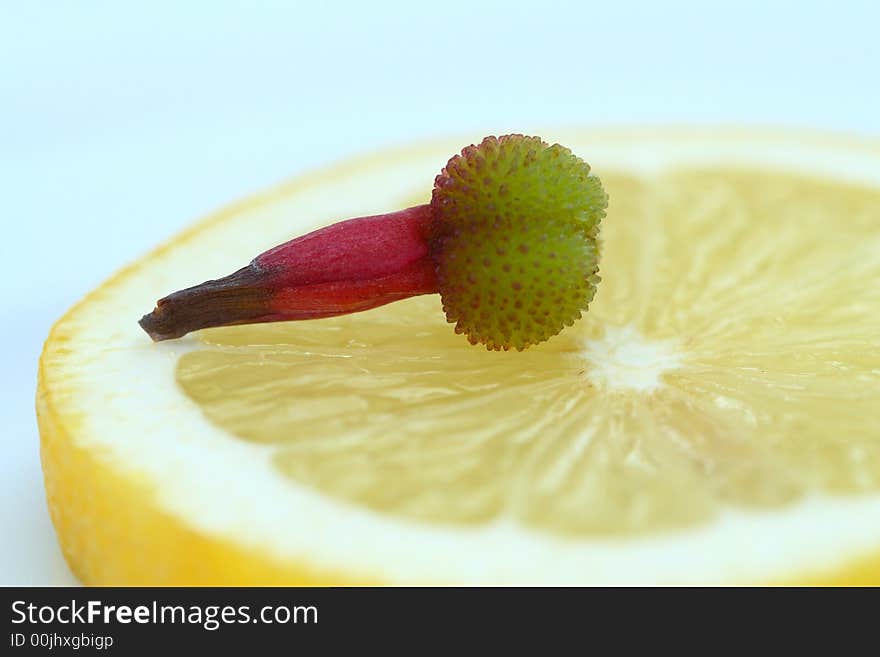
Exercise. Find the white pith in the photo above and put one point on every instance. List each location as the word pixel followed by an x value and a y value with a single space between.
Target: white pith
pixel 624 360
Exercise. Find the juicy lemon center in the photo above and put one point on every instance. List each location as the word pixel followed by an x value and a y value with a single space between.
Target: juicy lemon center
pixel 714 370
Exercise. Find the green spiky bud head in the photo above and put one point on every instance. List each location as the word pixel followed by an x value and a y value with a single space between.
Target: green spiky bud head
pixel 515 240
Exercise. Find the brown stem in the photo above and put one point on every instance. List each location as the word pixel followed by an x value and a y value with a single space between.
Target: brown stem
pixel 241 297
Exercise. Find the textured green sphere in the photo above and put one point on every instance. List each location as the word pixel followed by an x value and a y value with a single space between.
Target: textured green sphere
pixel 515 240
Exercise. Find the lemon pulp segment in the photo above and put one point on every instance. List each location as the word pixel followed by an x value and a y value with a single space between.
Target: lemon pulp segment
pixel 731 359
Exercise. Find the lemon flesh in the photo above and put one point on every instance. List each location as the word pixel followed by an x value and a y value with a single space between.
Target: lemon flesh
pixel 713 418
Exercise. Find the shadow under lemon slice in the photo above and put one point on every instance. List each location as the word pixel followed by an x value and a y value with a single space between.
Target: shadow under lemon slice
pixel 714 370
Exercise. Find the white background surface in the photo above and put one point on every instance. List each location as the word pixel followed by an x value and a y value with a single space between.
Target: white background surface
pixel 118 126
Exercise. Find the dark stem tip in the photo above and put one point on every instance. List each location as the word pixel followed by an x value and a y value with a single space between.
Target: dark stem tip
pixel 239 298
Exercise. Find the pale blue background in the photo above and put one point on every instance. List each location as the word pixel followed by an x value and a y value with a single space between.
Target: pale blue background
pixel 119 125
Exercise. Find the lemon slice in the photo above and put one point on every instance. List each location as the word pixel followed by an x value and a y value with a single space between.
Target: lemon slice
pixel 715 417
